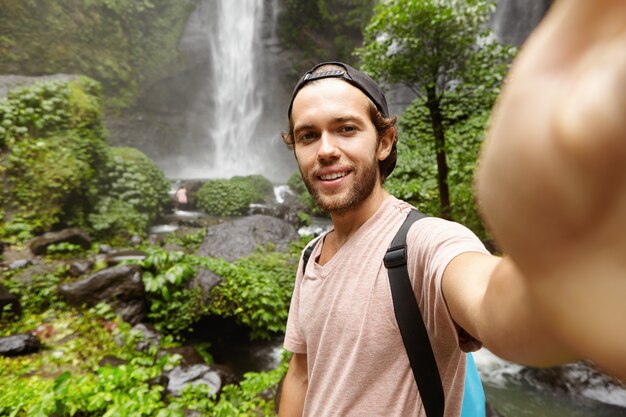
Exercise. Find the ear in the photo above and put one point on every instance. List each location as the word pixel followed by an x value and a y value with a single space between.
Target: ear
pixel 386 143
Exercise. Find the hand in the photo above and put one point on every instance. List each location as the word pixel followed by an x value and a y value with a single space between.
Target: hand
pixel 551 182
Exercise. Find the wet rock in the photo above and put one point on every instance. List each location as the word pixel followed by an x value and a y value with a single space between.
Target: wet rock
pixel 121 287
pixel 19 344
pixel 183 376
pixel 74 235
pixel 240 237
pixel 8 299
pixel 581 379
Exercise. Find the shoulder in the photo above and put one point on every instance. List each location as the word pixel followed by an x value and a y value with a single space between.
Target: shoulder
pixel 437 240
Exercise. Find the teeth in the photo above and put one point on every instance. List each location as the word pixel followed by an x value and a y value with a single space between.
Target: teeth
pixel 333 175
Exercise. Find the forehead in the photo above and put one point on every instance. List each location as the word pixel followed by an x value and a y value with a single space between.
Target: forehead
pixel 329 96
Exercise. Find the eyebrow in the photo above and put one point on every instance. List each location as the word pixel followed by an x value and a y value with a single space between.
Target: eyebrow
pixel 339 119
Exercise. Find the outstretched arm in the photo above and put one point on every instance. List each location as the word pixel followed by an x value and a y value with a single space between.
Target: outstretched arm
pixel 552 176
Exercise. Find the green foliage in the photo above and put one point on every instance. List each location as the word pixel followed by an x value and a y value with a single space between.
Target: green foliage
pixel 55 142
pixel 189 241
pixel 37 293
pixel 120 43
pixel 415 176
pixel 132 192
pixel 425 44
pixel 66 380
pixel 322 30
pixel 232 197
pixel 174 307
pixel 257 290
pixel 443 51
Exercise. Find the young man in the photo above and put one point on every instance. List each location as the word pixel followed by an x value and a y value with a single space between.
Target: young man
pixel 349 358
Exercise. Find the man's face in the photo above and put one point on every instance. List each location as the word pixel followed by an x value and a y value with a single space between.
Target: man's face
pixel 336 144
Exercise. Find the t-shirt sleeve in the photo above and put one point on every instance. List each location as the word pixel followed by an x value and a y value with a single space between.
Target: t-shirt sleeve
pixel 432 244
pixel 294 341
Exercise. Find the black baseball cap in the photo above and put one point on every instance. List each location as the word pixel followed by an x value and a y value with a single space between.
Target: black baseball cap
pixel 357 78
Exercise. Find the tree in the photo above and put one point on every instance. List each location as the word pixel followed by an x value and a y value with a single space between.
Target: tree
pixel 443 51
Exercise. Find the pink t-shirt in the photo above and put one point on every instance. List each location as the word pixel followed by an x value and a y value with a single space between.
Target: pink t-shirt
pixel 342 318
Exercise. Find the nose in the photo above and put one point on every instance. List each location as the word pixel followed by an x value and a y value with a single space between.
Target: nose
pixel 328 148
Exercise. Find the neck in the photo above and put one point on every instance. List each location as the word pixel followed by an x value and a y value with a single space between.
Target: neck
pixel 346 223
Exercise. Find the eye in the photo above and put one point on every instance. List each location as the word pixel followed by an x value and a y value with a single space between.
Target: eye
pixel 307 136
pixel 348 129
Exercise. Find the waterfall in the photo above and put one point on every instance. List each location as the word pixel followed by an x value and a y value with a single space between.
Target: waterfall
pixel 240 108
pixel 237 103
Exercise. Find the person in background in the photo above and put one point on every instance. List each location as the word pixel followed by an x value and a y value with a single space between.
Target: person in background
pixel 181 197
pixel 551 185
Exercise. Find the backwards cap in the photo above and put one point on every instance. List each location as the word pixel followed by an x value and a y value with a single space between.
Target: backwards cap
pixel 357 78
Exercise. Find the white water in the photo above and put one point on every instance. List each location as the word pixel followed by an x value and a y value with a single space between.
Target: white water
pixel 240 109
pixel 238 106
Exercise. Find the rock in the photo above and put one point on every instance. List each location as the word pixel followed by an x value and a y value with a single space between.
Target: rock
pixel 580 379
pixel 115 257
pixel 150 337
pixel 112 361
pixel 78 268
pixel 8 299
pixel 240 237
pixel 189 355
pixel 20 263
pixel 183 376
pixel 74 235
pixel 121 287
pixel 19 344
pixel 205 280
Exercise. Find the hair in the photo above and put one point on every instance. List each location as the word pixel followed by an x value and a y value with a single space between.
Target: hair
pixel 381 123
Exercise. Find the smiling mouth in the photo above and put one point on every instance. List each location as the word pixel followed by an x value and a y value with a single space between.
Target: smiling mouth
pixel 333 176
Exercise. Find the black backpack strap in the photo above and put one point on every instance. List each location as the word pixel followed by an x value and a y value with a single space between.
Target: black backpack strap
pixel 411 323
pixel 308 250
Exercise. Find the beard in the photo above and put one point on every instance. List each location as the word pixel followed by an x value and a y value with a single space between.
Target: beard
pixel 362 186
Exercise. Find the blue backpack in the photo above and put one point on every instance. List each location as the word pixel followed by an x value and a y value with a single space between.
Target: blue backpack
pixel 415 336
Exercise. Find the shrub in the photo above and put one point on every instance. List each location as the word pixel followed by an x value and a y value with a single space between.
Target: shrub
pixel 232 197
pixel 132 193
pixel 54 145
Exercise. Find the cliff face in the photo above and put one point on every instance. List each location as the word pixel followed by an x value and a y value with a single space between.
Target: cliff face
pixel 515 19
pixel 121 44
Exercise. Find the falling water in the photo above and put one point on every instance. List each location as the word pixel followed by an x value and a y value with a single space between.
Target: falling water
pixel 240 109
pixel 237 103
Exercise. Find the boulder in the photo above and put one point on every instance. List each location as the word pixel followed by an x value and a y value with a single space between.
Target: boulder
pixel 121 287
pixel 183 376
pixel 240 237
pixel 73 235
pixel 19 344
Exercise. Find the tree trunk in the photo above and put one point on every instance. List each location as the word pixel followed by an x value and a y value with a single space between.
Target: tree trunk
pixel 432 102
